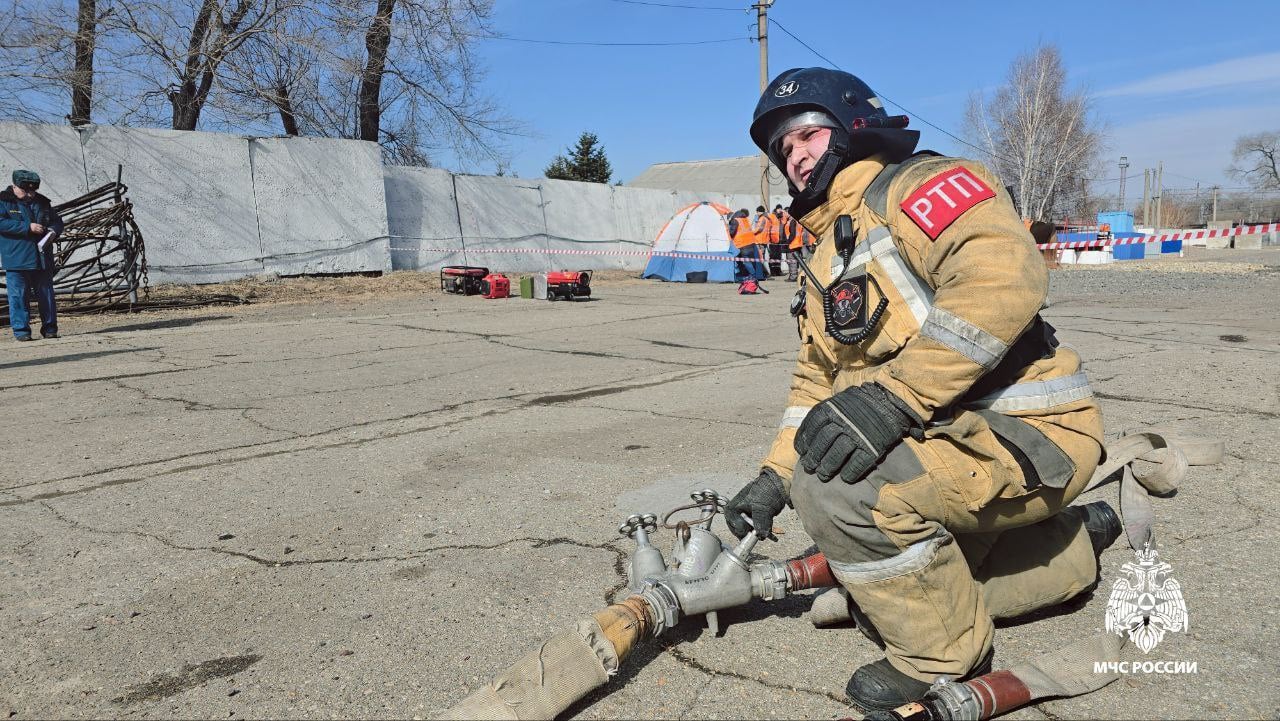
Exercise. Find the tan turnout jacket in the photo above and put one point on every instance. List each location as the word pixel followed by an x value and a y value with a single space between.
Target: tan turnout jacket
pixel 964 280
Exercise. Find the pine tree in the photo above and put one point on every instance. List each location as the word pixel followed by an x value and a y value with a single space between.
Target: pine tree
pixel 586 162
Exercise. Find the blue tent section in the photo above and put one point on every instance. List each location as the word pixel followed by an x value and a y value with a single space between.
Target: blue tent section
pixel 677 269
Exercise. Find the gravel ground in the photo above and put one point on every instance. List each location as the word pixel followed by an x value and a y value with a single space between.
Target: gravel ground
pixel 366 503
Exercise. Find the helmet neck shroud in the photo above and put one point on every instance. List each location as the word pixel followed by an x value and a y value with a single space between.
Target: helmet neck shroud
pixel 844 150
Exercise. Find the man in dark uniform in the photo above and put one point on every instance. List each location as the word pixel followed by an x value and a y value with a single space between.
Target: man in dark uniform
pixel 28 226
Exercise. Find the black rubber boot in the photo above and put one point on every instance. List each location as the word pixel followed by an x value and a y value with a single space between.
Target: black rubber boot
pixel 880 687
pixel 1102 523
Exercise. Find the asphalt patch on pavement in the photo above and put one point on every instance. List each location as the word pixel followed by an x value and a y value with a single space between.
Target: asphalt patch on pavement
pixel 1233 338
pixel 191 675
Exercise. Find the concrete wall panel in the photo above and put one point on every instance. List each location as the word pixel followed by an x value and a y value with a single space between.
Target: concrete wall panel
pixel 640 215
pixel 53 151
pixel 503 214
pixel 579 211
pixel 421 213
pixel 321 205
pixel 192 195
pixel 580 217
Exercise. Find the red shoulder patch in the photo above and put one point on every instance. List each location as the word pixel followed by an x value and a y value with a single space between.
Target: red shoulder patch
pixel 946 196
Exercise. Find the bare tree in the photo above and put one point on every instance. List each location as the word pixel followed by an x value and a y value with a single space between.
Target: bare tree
pixel 179 48
pixel 1254 160
pixel 1038 135
pixel 275 73
pixel 86 39
pixel 402 73
pixel 415 77
pixel 398 72
pixel 46 57
pixel 376 41
pixel 16 55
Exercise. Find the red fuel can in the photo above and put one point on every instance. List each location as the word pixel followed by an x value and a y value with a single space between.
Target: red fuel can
pixel 495 285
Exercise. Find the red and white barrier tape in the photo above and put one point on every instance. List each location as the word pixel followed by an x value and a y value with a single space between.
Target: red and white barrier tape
pixel 584 251
pixel 1189 235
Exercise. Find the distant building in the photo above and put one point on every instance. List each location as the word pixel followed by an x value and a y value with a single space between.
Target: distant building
pixel 726 176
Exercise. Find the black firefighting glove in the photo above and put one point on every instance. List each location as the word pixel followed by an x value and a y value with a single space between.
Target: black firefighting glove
pixel 850 432
pixel 761 500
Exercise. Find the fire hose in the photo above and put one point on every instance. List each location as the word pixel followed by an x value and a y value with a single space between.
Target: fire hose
pixel 705 576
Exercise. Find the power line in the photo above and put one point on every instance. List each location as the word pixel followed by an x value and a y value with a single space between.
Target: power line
pixel 1186 177
pixel 682 7
pixel 900 106
pixel 904 109
pixel 604 44
pixel 825 59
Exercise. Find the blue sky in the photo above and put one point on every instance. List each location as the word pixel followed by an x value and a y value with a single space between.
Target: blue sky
pixel 1176 81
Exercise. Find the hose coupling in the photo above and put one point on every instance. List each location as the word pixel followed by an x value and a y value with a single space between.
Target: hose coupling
pixel 664 609
pixel 770 580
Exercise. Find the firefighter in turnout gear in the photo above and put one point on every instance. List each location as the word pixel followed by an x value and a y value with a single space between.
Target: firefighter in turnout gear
pixel 936 432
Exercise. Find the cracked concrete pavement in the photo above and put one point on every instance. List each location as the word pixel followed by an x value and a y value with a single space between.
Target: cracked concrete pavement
pixel 368 508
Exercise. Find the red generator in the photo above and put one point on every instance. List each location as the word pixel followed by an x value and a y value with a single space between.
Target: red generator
pixel 495 285
pixel 462 279
pixel 568 284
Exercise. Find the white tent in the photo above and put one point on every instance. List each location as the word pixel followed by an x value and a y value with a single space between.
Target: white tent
pixel 700 229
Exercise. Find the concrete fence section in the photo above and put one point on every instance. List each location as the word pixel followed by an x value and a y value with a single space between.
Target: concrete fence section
pixel 321 205
pixel 488 221
pixel 422 213
pixel 192 197
pixel 52 150
pixel 216 207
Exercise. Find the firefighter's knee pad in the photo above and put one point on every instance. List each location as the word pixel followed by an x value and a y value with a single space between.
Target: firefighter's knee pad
pixel 840 517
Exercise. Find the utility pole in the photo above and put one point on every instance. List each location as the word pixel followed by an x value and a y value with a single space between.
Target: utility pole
pixel 1124 167
pixel 762 26
pixel 1146 197
pixel 1214 217
pixel 1159 195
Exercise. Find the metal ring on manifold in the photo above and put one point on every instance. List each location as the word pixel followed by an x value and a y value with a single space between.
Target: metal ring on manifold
pixel 703 500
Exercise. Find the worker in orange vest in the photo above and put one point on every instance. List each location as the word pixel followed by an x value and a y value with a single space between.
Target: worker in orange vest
pixel 740 230
pixel 792 235
pixel 777 246
pixel 745 240
pixel 766 227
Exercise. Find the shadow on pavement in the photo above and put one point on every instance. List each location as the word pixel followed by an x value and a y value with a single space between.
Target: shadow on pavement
pixel 157 324
pixel 70 357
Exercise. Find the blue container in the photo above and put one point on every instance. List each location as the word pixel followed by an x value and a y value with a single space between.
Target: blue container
pixel 1136 251
pixel 1121 221
pixel 1171 246
pixel 1075 237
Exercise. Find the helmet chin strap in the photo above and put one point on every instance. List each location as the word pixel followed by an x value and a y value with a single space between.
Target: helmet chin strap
pixel 824 171
pixel 815 191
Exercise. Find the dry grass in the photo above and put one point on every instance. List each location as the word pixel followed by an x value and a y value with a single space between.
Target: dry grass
pixel 310 289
